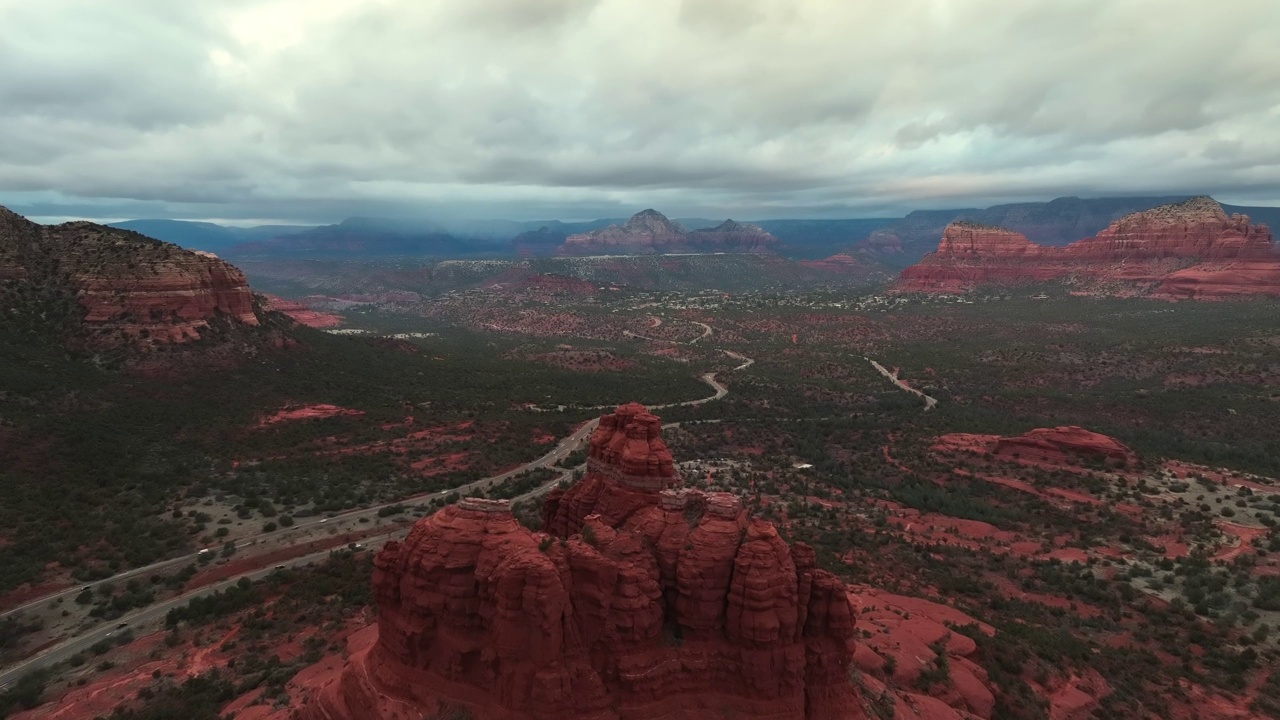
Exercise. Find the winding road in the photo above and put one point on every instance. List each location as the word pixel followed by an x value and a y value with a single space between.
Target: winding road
pixel 153 615
pixel 929 402
pixel 706 333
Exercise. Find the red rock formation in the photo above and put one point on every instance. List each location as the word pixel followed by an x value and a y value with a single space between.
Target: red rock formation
pixel 130 287
pixel 675 605
pixel 1191 249
pixel 1075 697
pixel 1061 446
pixel 627 465
pixel 911 631
pixel 307 412
pixel 649 232
pixel 301 313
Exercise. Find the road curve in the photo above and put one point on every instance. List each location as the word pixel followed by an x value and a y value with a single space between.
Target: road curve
pixel 151 613
pixel 562 449
pixel 929 402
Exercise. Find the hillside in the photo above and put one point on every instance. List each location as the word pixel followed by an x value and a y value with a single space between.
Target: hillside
pixel 103 287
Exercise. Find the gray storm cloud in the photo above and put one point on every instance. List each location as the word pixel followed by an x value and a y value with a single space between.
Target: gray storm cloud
pixel 308 110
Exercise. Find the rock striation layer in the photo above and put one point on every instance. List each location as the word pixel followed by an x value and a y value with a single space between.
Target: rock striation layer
pixel 642 600
pixel 649 232
pixel 129 288
pixel 1191 249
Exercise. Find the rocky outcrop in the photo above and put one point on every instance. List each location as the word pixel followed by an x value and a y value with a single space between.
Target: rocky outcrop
pixel 642 601
pixel 911 637
pixel 970 255
pixel 628 465
pixel 1055 223
pixel 129 288
pixel 1191 249
pixel 649 232
pixel 302 314
pixel 1067 446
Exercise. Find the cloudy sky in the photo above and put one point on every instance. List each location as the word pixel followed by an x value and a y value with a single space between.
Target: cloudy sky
pixel 312 110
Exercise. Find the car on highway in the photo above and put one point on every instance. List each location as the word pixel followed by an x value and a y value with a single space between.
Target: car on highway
pixel 279 567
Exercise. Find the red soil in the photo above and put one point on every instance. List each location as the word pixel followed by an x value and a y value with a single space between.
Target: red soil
pixel 307 412
pixel 26 593
pixel 1245 535
pixel 1010 589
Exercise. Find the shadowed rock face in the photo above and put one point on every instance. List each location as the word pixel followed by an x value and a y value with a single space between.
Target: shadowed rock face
pixel 1191 249
pixel 130 287
pixel 643 601
pixel 649 232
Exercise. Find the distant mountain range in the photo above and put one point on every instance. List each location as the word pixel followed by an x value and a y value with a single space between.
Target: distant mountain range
pixel 649 232
pixel 206 236
pixel 1057 222
pixel 895 242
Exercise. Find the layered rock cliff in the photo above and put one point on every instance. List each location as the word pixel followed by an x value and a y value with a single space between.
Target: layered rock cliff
pixel 649 232
pixel 1191 249
pixel 642 600
pixel 128 288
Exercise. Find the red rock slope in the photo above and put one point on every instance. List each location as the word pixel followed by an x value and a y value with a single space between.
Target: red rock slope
pixel 662 603
pixel 1064 446
pixel 1191 249
pixel 302 314
pixel 129 287
pixel 649 232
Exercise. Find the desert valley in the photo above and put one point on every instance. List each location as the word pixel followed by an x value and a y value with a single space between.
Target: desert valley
pixel 697 478
pixel 621 360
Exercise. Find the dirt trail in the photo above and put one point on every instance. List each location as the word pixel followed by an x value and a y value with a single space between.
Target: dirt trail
pixel 929 402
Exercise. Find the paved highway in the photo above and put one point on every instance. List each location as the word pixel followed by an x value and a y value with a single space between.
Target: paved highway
pixel 149 618
pixel 153 614
pixel 562 450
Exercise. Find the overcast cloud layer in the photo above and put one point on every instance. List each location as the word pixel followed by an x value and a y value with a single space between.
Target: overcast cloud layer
pixel 312 110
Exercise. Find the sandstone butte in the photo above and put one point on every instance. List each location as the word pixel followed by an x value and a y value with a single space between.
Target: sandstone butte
pixel 649 232
pixel 1063 446
pixel 640 600
pixel 1191 249
pixel 130 287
